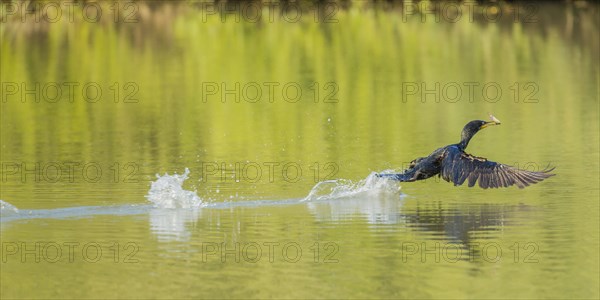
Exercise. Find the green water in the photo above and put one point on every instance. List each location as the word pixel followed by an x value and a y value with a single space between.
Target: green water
pixel 179 89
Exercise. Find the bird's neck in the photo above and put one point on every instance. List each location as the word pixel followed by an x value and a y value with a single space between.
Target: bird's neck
pixel 464 140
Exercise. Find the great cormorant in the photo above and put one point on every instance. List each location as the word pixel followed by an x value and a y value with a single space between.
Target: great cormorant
pixel 455 165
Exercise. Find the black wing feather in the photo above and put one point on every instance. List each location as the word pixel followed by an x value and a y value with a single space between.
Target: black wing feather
pixel 458 166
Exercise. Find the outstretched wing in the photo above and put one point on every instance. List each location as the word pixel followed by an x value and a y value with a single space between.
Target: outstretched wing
pixel 458 166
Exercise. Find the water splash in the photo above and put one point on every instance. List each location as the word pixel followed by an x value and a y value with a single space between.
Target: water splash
pixel 167 192
pixel 342 188
pixel 7 209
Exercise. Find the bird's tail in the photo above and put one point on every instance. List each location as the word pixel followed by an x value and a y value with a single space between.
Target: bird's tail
pixel 402 177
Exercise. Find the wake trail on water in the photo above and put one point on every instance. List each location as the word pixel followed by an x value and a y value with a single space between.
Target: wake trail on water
pixel 167 192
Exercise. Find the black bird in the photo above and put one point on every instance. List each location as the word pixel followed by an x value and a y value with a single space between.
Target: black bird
pixel 455 165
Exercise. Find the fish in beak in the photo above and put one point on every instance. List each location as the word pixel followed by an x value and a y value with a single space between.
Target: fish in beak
pixel 494 121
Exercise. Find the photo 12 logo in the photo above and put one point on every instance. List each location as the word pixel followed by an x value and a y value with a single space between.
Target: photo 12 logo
pixel 254 252
pixel 69 252
pixel 471 11
pixel 272 91
pixel 491 252
pixel 471 91
pixel 56 171
pixel 270 11
pixel 53 92
pixel 253 172
pixel 69 11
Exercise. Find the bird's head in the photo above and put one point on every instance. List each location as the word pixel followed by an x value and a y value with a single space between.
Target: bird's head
pixel 473 127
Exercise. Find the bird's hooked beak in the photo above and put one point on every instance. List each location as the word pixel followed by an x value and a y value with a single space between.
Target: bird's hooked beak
pixel 494 121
